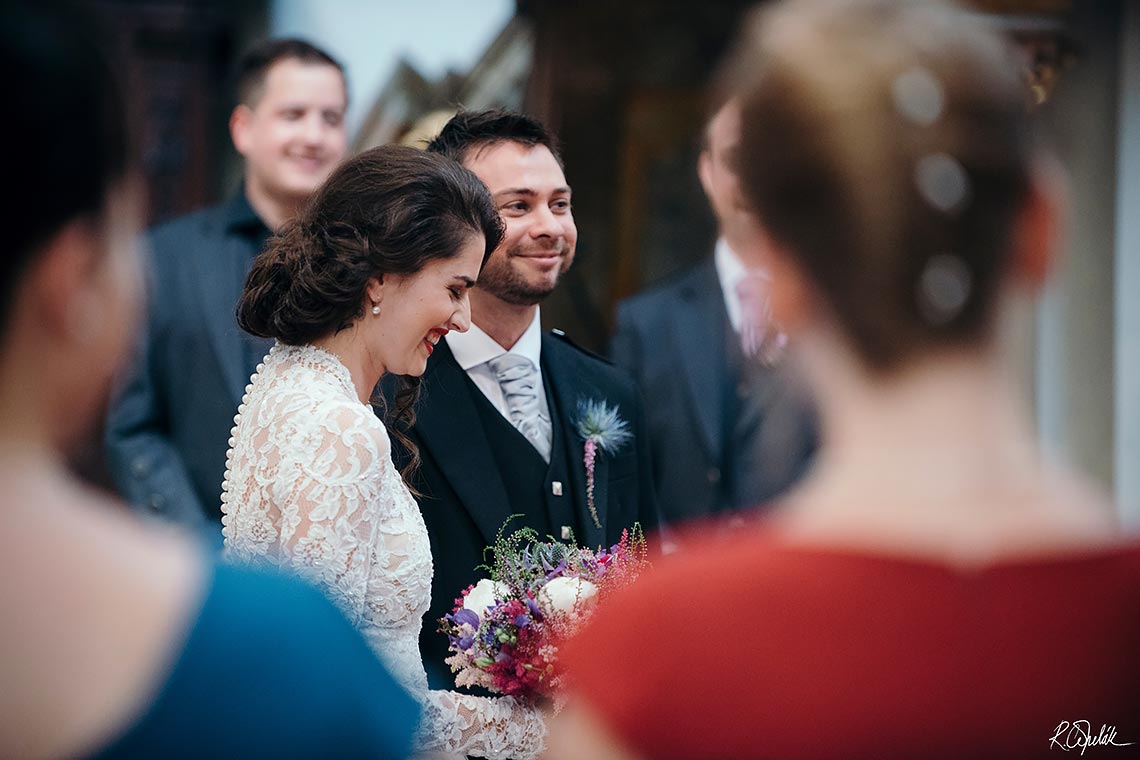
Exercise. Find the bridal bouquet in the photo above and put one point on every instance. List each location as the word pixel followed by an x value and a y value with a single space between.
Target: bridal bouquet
pixel 505 630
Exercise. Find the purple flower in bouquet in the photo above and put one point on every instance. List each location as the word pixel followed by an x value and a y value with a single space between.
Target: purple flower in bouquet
pixel 464 617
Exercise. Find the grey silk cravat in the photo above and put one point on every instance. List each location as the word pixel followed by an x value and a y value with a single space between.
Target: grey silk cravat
pixel 760 337
pixel 518 378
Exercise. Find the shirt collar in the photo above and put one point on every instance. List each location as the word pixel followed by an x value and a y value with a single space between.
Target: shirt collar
pixel 240 217
pixel 476 347
pixel 730 270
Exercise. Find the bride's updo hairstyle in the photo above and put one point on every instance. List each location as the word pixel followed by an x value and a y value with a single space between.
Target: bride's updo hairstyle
pixel 388 210
pixel 887 148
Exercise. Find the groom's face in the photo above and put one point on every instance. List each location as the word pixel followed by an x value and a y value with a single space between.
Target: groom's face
pixel 533 198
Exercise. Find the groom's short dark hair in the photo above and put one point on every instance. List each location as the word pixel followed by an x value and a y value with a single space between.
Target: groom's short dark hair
pixel 474 130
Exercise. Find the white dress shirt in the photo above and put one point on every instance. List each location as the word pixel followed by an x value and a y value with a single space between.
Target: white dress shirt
pixel 474 348
pixel 730 270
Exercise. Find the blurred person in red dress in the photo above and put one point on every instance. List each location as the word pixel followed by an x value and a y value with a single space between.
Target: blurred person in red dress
pixel 936 587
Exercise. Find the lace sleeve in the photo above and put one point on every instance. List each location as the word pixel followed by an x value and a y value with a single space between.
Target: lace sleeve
pixel 327 521
pixel 302 481
pixel 497 727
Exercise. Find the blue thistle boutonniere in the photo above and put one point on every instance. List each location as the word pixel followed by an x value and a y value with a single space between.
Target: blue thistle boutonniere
pixel 602 429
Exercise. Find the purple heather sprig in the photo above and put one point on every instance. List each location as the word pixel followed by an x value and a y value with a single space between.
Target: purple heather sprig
pixel 602 429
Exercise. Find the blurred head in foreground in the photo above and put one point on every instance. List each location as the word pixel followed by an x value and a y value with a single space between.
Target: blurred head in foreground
pixel 69 273
pixel 888 155
pixel 73 566
pixel 910 211
pixel 888 151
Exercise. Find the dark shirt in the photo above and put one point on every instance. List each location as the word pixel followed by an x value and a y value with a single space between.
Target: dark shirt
pixel 243 223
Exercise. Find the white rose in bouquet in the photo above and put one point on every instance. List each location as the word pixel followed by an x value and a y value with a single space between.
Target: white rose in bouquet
pixel 567 594
pixel 484 595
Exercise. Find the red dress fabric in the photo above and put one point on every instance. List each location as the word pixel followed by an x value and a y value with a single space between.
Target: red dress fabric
pixel 747 647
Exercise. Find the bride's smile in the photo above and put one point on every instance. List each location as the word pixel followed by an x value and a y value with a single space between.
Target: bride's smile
pixel 417 310
pixel 433 338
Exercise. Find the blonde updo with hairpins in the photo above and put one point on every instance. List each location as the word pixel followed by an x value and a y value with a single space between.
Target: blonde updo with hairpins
pixel 887 145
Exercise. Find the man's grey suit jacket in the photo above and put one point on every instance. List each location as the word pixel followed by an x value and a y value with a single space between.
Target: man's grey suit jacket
pixel 168 431
pixel 673 340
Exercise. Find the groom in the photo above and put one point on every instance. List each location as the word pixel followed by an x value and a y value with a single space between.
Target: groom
pixel 496 425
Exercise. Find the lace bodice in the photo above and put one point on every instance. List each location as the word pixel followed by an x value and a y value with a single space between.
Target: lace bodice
pixel 311 488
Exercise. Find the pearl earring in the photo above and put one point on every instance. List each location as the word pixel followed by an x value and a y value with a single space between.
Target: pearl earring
pixel 376 310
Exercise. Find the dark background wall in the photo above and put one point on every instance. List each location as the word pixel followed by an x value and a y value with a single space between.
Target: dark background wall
pixel 623 84
pixel 177 56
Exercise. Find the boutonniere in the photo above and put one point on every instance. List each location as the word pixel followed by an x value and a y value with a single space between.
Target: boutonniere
pixel 602 429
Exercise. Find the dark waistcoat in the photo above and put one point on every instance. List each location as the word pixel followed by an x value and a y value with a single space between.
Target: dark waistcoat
pixel 542 493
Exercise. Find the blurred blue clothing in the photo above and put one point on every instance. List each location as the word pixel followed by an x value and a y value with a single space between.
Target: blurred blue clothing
pixel 270 668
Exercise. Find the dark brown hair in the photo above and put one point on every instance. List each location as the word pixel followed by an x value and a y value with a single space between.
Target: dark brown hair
pixel 254 65
pixel 887 144
pixel 67 125
pixel 388 210
pixel 469 131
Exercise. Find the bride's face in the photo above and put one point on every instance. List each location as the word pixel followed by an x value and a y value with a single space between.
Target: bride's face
pixel 417 310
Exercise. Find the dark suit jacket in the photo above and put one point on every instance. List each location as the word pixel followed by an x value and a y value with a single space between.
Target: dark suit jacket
pixel 464 501
pixel 167 432
pixel 673 339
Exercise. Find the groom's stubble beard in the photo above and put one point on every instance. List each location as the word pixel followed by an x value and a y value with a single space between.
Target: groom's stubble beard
pixel 501 279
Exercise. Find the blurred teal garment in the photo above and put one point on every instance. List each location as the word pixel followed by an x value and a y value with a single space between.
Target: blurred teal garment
pixel 271 669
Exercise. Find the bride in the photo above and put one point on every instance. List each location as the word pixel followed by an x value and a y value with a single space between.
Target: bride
pixel 364 282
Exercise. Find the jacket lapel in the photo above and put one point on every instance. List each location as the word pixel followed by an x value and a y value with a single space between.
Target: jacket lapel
pixel 449 427
pixel 569 383
pixel 699 333
pixel 220 280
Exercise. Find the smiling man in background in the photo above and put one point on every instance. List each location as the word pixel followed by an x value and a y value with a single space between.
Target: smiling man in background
pixel 167 433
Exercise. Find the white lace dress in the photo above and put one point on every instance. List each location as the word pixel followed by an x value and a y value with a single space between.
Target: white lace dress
pixel 310 487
